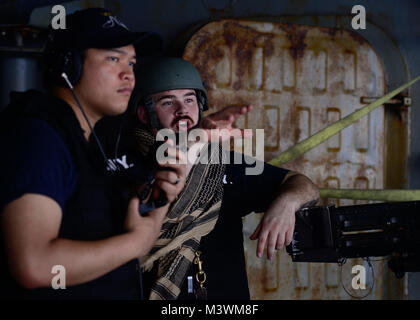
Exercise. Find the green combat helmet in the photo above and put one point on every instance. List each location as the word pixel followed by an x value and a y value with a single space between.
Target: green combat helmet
pixel 164 74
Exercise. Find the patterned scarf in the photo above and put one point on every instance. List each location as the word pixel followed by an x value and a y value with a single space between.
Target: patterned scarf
pixel 190 217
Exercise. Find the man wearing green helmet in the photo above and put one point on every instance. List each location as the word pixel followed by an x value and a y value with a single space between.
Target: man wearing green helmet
pixel 199 253
pixel 171 74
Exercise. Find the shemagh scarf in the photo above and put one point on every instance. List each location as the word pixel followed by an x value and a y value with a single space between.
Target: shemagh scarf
pixel 190 217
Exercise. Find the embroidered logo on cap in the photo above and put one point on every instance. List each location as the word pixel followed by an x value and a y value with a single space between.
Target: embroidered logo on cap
pixel 112 21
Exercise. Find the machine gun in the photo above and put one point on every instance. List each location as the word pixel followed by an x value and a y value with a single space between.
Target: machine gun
pixel 333 234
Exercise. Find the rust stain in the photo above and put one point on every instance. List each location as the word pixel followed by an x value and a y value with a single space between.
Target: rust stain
pixel 332 32
pixel 335 33
pixel 202 39
pixel 268 49
pixel 246 39
pixel 296 36
pixel 357 37
pixel 396 136
pixel 241 38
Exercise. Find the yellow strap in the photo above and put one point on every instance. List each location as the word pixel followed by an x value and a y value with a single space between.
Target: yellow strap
pixel 376 195
pixel 322 135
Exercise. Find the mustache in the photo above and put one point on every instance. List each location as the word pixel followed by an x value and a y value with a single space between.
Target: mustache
pixel 177 119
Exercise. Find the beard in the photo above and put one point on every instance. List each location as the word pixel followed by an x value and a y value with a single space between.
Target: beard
pixel 176 121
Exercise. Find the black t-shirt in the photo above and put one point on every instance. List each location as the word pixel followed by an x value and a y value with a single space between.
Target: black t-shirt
pixel 222 249
pixel 36 161
pixel 46 153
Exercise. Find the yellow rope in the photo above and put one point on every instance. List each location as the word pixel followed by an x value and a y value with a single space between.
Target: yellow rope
pixel 322 135
pixel 375 195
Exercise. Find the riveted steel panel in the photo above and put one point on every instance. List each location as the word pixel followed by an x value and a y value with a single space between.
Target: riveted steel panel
pixel 300 79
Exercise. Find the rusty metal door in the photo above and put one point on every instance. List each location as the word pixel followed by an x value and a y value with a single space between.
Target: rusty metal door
pixel 300 79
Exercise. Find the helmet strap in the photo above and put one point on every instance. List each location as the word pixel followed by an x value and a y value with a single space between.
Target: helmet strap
pixel 153 118
pixel 201 102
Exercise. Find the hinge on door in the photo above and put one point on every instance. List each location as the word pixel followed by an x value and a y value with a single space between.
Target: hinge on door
pixel 400 100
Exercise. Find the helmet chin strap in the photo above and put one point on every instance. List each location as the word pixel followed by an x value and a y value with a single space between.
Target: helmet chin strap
pixel 201 102
pixel 153 118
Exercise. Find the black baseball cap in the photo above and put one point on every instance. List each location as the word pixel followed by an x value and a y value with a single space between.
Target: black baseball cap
pixel 99 28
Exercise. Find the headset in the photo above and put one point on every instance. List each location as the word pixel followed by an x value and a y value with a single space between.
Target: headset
pixel 61 56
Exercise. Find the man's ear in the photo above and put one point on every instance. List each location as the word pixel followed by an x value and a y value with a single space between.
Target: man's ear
pixel 142 114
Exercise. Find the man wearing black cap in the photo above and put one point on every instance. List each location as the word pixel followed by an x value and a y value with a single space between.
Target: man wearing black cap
pixel 64 214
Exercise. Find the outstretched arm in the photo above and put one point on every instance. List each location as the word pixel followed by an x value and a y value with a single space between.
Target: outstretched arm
pixel 277 225
pixel 224 119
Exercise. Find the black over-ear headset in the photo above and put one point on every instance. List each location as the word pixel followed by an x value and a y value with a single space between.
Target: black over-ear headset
pixel 62 56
